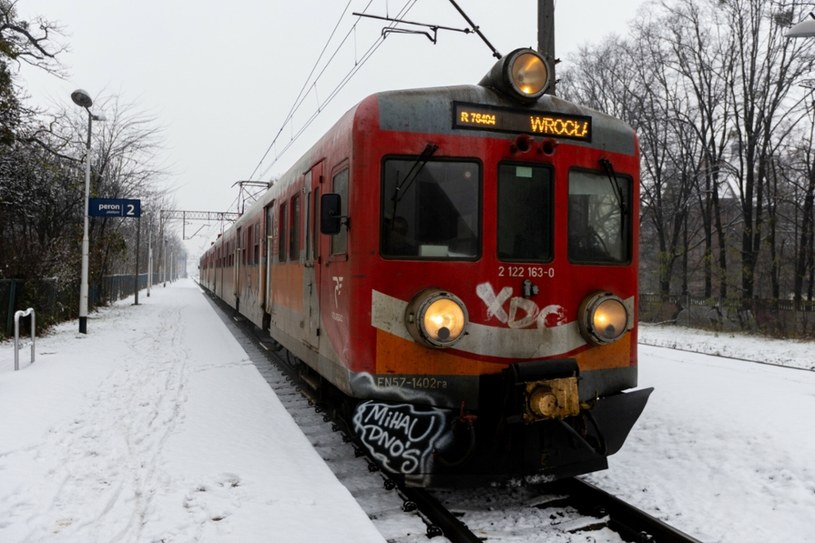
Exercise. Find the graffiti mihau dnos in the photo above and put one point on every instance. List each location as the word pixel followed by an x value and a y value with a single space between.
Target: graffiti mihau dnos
pixel 399 436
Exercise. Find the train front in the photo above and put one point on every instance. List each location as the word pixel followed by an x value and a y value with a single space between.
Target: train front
pixel 503 281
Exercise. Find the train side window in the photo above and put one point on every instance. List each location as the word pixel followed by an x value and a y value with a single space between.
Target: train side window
pixel 238 248
pixel 307 219
pixel 294 237
pixel 430 209
pixel 243 246
pixel 315 226
pixel 524 213
pixel 339 242
pixel 247 246
pixel 270 225
pixel 599 223
pixel 249 253
pixel 282 240
pixel 256 244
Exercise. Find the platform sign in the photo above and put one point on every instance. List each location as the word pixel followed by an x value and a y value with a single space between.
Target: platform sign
pixel 112 207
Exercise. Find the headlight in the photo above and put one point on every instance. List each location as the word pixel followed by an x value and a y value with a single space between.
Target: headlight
pixel 436 318
pixel 528 74
pixel 523 74
pixel 603 318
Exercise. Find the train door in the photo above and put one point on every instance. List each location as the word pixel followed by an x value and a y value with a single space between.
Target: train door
pixel 236 280
pixel 270 237
pixel 311 263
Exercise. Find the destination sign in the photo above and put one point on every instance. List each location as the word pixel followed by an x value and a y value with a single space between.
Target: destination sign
pixel 559 125
pixel 111 207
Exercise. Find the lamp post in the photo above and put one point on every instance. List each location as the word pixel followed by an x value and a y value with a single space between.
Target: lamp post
pixel 83 99
pixel 804 29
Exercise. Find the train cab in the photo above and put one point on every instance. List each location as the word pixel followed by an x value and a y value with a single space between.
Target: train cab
pixel 461 263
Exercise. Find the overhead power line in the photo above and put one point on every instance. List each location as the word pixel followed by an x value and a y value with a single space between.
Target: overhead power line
pixel 311 84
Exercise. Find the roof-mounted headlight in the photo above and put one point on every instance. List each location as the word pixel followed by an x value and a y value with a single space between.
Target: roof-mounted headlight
pixel 436 318
pixel 603 318
pixel 523 74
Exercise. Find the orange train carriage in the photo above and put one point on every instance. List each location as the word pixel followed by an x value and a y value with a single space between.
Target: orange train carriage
pixel 460 262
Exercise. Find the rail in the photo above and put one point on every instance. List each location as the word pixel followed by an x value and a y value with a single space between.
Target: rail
pixel 630 522
pixel 17 346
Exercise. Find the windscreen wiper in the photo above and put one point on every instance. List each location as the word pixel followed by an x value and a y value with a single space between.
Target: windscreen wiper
pixel 618 192
pixel 413 173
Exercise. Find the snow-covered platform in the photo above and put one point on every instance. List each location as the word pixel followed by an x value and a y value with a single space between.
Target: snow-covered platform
pixel 156 426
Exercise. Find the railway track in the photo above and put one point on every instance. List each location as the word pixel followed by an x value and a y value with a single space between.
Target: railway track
pixel 565 511
pixel 632 523
pixel 568 510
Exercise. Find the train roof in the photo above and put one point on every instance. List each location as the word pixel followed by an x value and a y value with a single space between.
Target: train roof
pixel 431 110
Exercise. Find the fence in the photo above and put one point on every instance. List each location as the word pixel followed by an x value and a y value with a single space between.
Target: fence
pixel 773 317
pixel 57 301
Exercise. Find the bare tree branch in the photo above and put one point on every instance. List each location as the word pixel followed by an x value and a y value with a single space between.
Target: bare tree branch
pixel 33 42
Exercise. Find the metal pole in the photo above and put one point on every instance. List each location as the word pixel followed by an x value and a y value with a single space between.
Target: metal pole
pixel 149 255
pixel 83 289
pixel 138 249
pixel 162 246
pixel 546 37
pixel 164 263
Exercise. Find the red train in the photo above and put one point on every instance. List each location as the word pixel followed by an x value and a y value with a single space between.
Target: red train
pixel 461 263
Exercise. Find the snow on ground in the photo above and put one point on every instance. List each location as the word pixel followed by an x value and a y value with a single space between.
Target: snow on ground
pixel 725 449
pixel 798 354
pixel 155 426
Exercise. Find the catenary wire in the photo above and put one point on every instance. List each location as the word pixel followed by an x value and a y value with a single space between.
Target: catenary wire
pixel 297 101
pixel 312 84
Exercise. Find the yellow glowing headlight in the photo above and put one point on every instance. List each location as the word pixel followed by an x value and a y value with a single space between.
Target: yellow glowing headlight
pixel 528 74
pixel 523 75
pixel 436 318
pixel 603 318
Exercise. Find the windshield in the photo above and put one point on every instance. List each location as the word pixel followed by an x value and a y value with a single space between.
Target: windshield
pixel 430 210
pixel 598 223
pixel 524 213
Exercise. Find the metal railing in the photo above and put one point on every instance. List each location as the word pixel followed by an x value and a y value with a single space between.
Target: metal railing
pixel 17 346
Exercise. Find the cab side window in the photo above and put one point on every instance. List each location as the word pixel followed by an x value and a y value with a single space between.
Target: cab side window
pixel 339 242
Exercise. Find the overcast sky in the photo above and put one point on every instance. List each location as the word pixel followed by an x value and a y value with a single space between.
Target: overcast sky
pixel 221 77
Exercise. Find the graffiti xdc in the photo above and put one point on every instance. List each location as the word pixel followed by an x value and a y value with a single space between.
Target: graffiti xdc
pixel 522 311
